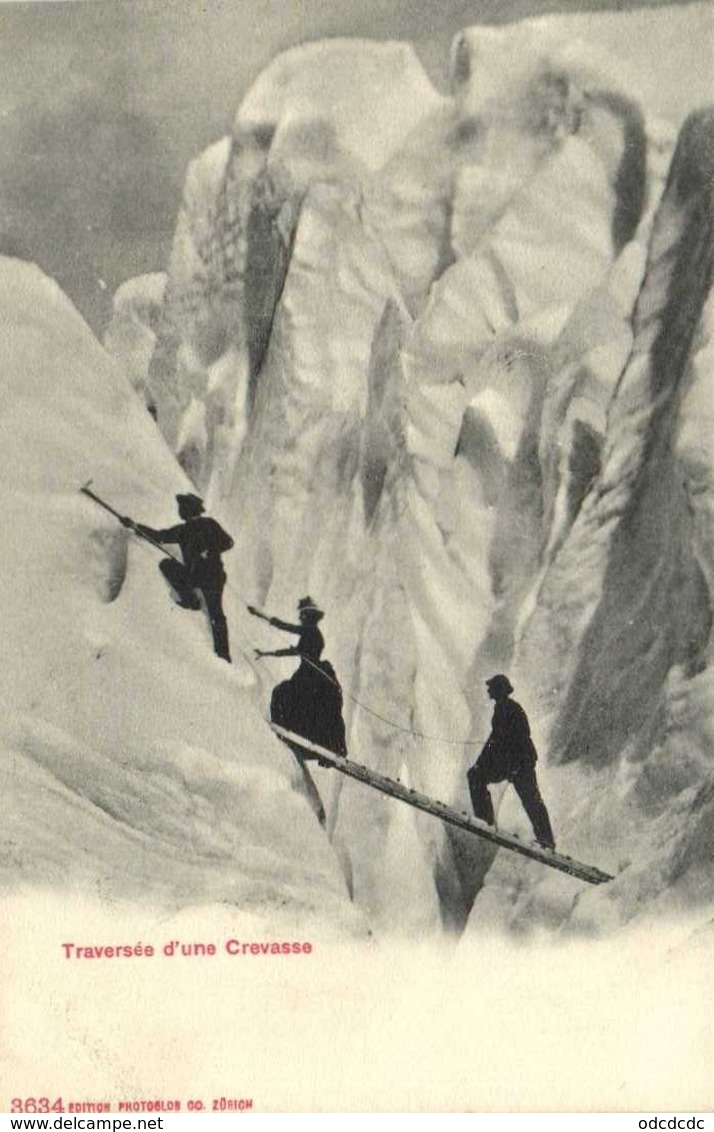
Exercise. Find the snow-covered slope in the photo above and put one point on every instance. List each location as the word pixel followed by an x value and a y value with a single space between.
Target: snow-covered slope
pixel 136 764
pixel 445 369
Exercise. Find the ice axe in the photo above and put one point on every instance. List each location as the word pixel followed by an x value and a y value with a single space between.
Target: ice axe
pixel 125 521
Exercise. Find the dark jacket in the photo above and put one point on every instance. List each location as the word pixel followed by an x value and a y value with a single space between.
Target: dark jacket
pixel 310 644
pixel 509 748
pixel 202 541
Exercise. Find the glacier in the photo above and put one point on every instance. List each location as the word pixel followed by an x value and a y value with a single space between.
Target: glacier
pixel 441 360
pixel 136 765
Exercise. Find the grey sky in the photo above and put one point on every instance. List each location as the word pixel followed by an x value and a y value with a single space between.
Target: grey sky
pixel 103 103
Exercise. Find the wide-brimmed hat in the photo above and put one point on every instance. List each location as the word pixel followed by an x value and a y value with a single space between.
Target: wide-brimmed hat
pixel 499 683
pixel 191 502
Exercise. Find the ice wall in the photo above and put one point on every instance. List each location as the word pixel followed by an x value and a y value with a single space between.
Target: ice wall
pixel 136 764
pixel 415 353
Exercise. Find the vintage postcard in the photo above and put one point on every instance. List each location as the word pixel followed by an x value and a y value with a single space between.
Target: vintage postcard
pixel 358 492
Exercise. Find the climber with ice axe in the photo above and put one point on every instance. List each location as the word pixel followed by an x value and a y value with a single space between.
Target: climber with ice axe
pixel 199 573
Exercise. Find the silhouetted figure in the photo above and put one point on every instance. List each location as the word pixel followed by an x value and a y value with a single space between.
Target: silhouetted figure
pixel 509 753
pixel 202 541
pixel 310 702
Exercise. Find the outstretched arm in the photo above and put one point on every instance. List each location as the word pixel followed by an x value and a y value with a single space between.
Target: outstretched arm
pixel 257 613
pixel 170 534
pixel 275 621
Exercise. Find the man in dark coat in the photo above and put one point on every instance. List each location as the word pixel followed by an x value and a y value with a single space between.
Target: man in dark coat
pixel 202 541
pixel 509 753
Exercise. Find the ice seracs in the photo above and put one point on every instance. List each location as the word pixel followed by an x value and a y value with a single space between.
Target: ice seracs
pixel 411 335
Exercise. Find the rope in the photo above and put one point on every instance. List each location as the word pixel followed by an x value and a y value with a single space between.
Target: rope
pixel 363 707
pixel 470 742
pixel 390 722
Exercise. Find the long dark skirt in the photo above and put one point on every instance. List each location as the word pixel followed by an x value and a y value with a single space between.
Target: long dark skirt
pixel 310 704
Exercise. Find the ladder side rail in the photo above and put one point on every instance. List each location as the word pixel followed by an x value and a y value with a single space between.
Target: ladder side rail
pixel 439 809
